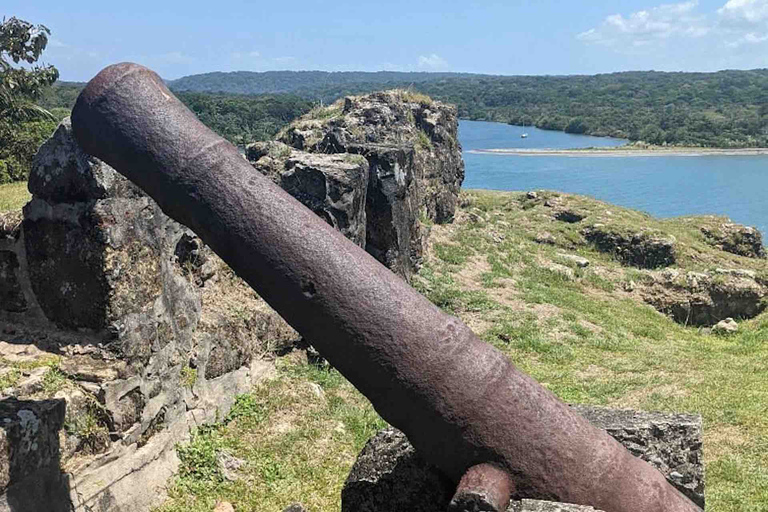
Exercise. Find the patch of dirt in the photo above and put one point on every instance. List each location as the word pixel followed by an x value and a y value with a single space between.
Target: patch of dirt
pixel 469 277
pixel 721 440
pixel 635 399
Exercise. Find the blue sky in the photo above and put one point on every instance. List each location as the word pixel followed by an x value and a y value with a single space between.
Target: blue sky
pixel 178 38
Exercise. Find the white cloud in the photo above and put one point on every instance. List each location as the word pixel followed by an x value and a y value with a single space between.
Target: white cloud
pixel 432 62
pixel 744 22
pixel 649 27
pixel 745 11
pixel 736 25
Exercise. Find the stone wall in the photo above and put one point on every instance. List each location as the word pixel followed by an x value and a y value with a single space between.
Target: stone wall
pixel 125 318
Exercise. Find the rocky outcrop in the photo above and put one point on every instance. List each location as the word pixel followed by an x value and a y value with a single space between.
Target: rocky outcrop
pixel 414 170
pixel 390 476
pixel 705 298
pixel 642 249
pixel 148 332
pixel 736 239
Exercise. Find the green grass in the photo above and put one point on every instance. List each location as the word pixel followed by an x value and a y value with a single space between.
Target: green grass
pixel 321 113
pixel 13 196
pixel 296 444
pixel 583 337
pixel 9 378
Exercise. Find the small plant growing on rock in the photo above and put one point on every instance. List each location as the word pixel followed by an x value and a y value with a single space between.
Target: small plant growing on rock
pixel 188 377
pixel 423 141
pixel 54 381
pixel 9 378
pixel 93 435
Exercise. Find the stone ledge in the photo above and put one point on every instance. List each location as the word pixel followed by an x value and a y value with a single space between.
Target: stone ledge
pixel 547 506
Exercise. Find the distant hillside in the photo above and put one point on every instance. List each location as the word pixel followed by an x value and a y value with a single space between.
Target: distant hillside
pixel 723 109
pixel 308 83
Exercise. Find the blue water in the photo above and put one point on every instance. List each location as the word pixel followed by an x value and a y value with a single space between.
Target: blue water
pixel 734 186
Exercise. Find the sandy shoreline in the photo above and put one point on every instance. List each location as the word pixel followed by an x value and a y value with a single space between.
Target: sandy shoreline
pixel 624 152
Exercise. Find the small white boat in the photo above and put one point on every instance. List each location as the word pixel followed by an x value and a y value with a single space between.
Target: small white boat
pixel 524 136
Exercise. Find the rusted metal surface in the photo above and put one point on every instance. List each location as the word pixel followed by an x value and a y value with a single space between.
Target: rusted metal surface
pixel 460 401
pixel 483 488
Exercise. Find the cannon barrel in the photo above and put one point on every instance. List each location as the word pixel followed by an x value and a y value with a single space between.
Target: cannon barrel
pixel 460 401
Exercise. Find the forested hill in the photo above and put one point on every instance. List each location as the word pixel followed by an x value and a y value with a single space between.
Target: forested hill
pixel 239 118
pixel 316 84
pixel 725 109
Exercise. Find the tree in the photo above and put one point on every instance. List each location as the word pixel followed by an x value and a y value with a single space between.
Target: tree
pixel 20 87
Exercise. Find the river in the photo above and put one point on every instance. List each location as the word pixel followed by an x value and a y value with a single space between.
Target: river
pixel 733 186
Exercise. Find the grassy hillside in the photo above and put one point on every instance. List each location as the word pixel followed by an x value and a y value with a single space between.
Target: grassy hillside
pixel 584 333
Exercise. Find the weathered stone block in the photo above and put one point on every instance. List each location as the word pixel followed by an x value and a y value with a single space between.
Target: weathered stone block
pixel 390 476
pixel 11 294
pixel 155 334
pixel 63 173
pixel 29 438
pixel 394 234
pixel 669 442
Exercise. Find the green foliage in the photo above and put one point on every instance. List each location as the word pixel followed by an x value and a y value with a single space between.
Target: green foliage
pixel 452 253
pixel 423 141
pixel 245 119
pixel 250 407
pixel 188 377
pixel 86 425
pixel 9 378
pixel 54 381
pixel 23 124
pixel 198 458
pixel 724 109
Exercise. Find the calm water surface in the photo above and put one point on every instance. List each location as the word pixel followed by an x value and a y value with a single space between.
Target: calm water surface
pixel 734 186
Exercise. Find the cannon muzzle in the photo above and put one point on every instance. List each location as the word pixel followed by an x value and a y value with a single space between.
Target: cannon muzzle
pixel 460 401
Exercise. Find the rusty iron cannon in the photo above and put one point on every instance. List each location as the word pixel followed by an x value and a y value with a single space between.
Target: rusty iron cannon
pixel 463 405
